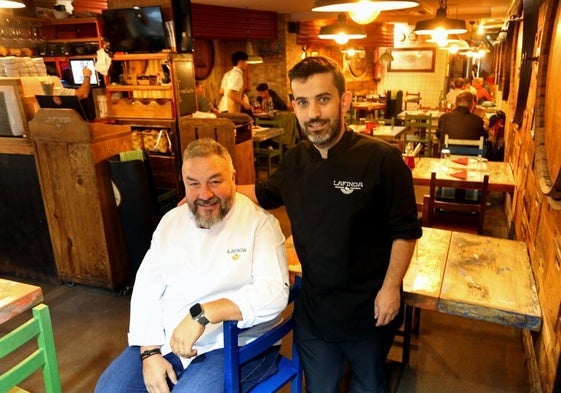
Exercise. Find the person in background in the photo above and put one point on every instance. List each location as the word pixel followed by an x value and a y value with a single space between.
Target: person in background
pixel 482 93
pixel 456 88
pixel 461 123
pixel 83 91
pixel 233 101
pixel 217 257
pixel 351 204
pixel 202 103
pixel 269 100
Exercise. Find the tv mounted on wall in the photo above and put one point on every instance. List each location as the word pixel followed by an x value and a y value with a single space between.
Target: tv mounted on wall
pixel 135 30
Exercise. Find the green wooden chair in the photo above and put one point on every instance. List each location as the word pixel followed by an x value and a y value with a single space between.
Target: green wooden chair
pixel 43 357
pixel 419 129
pixel 270 151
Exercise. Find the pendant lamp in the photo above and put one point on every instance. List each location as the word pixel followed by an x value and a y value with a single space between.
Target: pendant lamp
pixel 342 31
pixel 440 26
pixel 11 4
pixel 252 59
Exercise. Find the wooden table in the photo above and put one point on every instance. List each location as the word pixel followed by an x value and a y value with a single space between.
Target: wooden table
pixel 501 177
pixel 387 133
pixel 473 276
pixel 433 112
pixel 261 134
pixel 366 107
pixel 490 279
pixel 16 297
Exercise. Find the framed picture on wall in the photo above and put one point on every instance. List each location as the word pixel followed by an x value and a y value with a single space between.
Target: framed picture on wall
pixel 412 60
pixel 12 115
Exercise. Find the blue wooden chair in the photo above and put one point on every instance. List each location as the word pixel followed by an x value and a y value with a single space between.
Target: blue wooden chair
pixel 38 328
pixel 289 370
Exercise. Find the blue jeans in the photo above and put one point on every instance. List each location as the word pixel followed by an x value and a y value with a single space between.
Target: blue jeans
pixel 204 374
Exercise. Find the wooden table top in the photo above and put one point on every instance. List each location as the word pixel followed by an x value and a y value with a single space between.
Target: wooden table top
pixel 261 134
pixel 369 106
pixel 469 275
pixel 386 132
pixel 501 177
pixel 16 297
pixel 434 112
pixel 483 280
pixel 423 280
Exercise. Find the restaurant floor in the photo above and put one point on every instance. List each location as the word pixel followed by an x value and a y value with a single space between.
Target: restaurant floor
pixel 451 354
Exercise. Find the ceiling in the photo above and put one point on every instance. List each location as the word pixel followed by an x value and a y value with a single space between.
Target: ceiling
pixel 489 12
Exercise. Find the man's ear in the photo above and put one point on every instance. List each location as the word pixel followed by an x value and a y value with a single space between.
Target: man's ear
pixel 346 101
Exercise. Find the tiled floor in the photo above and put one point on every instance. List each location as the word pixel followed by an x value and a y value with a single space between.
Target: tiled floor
pixel 451 354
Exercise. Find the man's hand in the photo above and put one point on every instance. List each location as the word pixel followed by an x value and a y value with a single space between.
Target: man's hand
pixel 87 73
pixel 155 369
pixel 184 336
pixel 386 305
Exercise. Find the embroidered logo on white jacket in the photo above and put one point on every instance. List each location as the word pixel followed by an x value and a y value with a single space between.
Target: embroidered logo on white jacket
pixel 347 187
pixel 235 253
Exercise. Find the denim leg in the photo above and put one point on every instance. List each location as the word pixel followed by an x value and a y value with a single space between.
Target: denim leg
pixel 124 374
pixel 206 372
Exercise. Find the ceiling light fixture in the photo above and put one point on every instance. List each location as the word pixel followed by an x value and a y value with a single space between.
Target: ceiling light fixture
pixel 342 31
pixel 252 59
pixel 362 11
pixel 11 4
pixel 440 26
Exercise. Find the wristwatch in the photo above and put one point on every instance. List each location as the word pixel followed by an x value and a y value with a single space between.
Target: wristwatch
pixel 198 314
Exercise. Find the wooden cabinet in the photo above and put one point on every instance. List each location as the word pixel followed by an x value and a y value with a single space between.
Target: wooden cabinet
pixel 82 216
pixel 64 38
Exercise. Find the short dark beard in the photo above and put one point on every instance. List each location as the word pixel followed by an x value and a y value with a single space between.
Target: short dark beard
pixel 334 129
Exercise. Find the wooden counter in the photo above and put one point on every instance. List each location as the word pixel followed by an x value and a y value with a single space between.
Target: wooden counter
pixel 81 212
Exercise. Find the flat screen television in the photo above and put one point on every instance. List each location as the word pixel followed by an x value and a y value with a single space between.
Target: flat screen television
pixel 135 30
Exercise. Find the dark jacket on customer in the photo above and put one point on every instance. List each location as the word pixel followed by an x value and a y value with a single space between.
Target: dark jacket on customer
pixel 460 123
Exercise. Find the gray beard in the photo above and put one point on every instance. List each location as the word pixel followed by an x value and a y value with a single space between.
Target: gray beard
pixel 209 222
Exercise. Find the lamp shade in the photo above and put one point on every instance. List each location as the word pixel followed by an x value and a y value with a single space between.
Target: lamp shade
pixel 342 31
pixel 251 58
pixel 352 5
pixel 440 22
pixel 11 4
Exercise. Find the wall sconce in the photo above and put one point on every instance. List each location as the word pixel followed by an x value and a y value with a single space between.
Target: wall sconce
pixel 341 31
pixel 440 26
pixel 362 11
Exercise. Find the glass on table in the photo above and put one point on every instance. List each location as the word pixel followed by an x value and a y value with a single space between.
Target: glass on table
pixel 445 158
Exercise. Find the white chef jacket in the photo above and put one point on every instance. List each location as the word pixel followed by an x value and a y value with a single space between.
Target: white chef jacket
pixel 243 259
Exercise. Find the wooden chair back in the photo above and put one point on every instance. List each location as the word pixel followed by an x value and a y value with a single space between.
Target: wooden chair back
pixel 419 129
pixel 412 98
pixel 289 369
pixel 43 358
pixel 432 206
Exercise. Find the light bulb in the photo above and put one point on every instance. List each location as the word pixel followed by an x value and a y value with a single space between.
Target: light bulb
pixel 440 36
pixel 364 12
pixel 453 49
pixel 341 39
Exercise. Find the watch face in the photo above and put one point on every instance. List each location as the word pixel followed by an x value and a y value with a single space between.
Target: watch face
pixel 195 310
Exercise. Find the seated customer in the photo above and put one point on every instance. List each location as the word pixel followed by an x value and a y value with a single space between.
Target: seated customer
pixel 217 257
pixel 461 123
pixel 269 99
